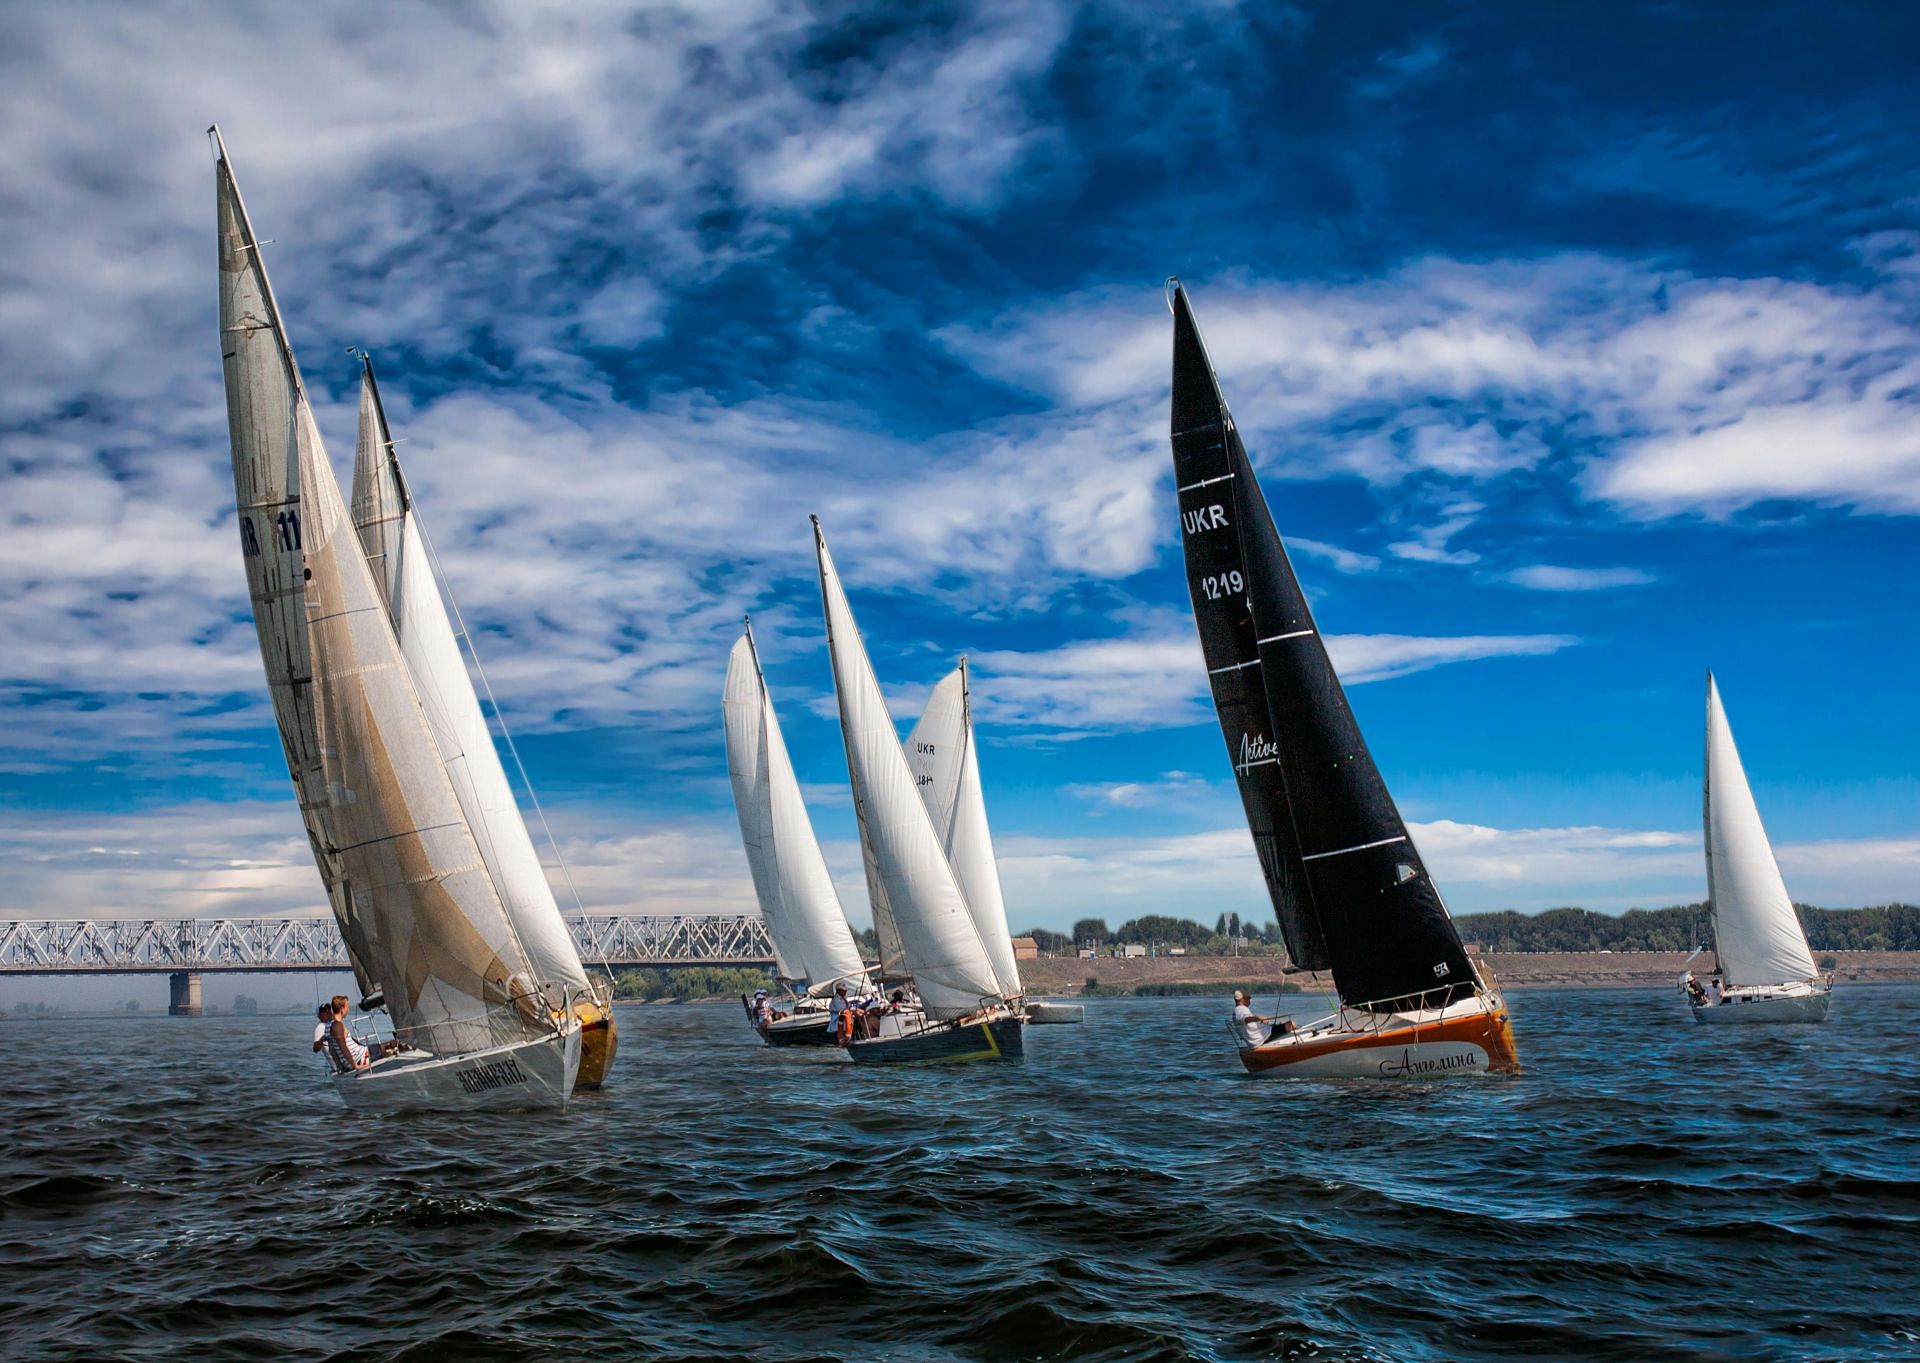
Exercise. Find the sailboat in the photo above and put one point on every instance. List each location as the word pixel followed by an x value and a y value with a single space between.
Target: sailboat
pixel 426 931
pixel 1349 888
pixel 1767 969
pixel 969 1015
pixel 946 766
pixel 813 945
pixel 404 569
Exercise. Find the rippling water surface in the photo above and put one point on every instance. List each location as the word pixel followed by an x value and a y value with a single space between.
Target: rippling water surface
pixel 1648 1189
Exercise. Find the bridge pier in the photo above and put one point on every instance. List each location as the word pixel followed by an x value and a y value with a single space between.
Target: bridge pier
pixel 183 994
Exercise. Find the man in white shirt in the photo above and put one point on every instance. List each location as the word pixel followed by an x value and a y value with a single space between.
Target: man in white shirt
pixel 325 1014
pixel 836 1008
pixel 1252 1026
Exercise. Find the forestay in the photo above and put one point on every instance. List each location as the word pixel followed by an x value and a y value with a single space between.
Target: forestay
pixel 406 880
pixel 811 939
pixel 939 940
pixel 1349 886
pixel 946 764
pixel 1757 937
pixel 388 523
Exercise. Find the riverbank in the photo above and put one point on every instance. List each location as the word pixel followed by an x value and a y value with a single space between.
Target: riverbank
pixel 1069 977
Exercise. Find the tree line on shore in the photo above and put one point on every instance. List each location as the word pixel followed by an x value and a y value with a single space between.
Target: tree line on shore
pixel 1886 927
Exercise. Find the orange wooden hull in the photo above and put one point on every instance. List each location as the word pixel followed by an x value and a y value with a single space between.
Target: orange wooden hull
pixel 1476 1042
pixel 599 1039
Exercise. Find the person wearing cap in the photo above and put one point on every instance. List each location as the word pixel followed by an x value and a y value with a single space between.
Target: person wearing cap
pixel 1253 1027
pixel 763 1013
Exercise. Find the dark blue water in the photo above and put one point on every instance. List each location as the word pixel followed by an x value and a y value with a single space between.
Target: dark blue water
pixel 1649 1189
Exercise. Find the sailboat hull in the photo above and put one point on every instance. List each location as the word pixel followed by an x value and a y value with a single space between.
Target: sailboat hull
pixel 523 1076
pixel 599 1041
pixel 1785 1003
pixel 1474 1037
pixel 1047 1013
pixel 802 1029
pixel 945 1043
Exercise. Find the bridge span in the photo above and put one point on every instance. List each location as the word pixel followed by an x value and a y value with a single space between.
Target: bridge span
pixel 185 948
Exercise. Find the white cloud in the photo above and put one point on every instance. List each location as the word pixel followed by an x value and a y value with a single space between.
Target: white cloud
pixel 1155 677
pixel 1545 577
pixel 1168 788
pixel 1693 393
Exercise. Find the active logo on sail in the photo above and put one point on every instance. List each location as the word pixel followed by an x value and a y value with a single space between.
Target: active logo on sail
pixel 1257 748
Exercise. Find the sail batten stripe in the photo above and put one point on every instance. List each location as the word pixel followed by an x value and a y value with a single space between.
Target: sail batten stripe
pixel 1276 638
pixel 1208 482
pixel 1233 667
pixel 1359 847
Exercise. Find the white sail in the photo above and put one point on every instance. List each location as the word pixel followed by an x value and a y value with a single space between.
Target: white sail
pixel 389 528
pixel 1756 935
pixel 939 941
pixel 946 764
pixel 811 939
pixel 413 897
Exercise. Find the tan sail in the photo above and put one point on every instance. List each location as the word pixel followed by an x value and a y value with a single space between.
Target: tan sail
pixel 415 901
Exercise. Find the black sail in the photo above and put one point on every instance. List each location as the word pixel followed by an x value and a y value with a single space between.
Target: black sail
pixel 1348 885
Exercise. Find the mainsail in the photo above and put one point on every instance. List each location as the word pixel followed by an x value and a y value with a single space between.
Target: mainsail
pixel 1349 887
pixel 406 879
pixel 1757 938
pixel 945 763
pixel 939 940
pixel 390 532
pixel 811 939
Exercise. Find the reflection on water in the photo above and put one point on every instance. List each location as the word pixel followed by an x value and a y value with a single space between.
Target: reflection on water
pixel 1648 1189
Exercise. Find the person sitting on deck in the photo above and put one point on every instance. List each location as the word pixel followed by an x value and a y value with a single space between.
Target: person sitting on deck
pixel 762 1010
pixel 325 1015
pixel 1695 990
pixel 1713 992
pixel 1253 1027
pixel 344 1050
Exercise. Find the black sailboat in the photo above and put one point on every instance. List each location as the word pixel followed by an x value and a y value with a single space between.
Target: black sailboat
pixel 1351 893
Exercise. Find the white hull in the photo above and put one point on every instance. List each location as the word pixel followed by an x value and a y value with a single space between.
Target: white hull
pixel 1781 1003
pixel 515 1078
pixel 1056 1012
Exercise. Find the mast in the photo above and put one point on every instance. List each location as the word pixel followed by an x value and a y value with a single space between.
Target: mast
pixel 1350 889
pixel 401 867
pixel 939 940
pixel 400 560
pixel 945 762
pixel 1757 937
pixel 812 941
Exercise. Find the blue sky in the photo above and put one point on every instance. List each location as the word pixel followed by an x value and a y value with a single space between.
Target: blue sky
pixel 1578 348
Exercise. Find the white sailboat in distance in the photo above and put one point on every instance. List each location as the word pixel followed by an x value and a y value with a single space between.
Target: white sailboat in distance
pixel 813 945
pixel 967 1017
pixel 426 930
pixel 1766 970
